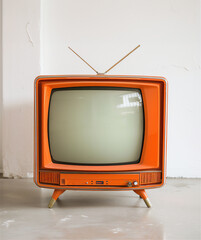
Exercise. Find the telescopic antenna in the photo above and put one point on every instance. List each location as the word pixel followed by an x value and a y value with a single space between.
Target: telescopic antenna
pixel 110 67
pixel 122 59
pixel 83 60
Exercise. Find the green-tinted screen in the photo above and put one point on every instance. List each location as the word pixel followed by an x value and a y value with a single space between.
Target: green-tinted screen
pixel 96 126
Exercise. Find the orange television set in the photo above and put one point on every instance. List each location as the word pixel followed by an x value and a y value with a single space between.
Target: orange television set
pixel 100 132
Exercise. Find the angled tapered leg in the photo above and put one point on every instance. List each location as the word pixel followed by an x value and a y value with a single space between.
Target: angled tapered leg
pixel 55 195
pixel 144 196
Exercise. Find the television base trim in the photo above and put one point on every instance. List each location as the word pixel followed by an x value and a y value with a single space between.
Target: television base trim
pixel 58 192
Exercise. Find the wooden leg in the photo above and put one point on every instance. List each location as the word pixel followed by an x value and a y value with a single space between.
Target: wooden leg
pixel 144 196
pixel 55 195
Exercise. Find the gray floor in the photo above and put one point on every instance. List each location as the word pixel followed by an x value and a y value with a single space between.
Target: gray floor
pixel 176 213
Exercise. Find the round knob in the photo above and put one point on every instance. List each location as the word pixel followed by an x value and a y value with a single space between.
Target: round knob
pixel 135 183
pixel 129 184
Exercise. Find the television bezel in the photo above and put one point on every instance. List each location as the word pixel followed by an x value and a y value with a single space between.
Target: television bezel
pixel 88 89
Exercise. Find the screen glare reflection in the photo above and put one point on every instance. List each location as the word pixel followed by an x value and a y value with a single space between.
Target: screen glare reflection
pixel 131 100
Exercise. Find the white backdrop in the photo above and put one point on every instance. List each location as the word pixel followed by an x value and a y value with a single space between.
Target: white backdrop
pixel 21 64
pixel 102 32
pixel 1 87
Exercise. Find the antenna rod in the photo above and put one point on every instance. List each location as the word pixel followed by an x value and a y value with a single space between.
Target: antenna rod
pixel 122 59
pixel 83 60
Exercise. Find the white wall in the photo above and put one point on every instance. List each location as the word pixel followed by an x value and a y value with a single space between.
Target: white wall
pixel 21 64
pixel 169 33
pixel 1 164
pixel 102 32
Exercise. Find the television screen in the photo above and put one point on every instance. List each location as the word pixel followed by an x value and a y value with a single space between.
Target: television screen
pixel 96 125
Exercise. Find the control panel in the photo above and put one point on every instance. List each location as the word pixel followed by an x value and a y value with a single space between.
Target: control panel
pixel 129 180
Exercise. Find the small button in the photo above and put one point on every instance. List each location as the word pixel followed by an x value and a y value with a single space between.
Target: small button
pixel 129 184
pixel 135 183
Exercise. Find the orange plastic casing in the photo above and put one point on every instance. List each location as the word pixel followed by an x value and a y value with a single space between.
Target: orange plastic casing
pixel 153 157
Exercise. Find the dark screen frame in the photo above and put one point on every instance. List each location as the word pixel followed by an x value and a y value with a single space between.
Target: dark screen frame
pixel 95 88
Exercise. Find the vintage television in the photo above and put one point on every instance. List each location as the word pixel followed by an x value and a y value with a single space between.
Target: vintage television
pixel 100 132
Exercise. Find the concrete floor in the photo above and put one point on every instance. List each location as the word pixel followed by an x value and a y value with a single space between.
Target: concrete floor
pixel 176 213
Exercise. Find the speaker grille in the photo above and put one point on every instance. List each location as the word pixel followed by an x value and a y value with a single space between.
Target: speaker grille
pixel 50 177
pixel 150 177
